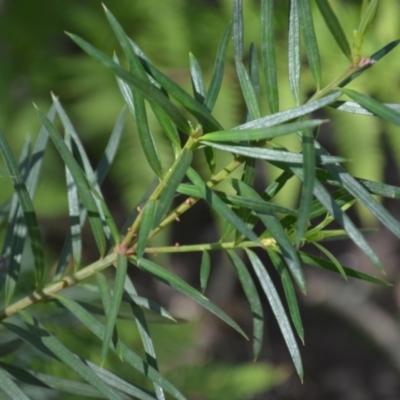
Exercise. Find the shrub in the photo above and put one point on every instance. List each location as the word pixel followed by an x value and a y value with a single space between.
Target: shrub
pixel 193 132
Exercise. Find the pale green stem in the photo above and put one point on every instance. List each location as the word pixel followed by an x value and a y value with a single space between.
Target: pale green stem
pixel 55 287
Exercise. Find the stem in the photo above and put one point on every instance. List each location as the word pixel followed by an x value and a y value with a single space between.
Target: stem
pixel 53 288
pixel 210 246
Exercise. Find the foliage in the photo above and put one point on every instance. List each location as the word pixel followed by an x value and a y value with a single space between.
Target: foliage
pixel 192 133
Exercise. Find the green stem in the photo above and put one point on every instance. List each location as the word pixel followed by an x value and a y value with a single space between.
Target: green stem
pixel 209 247
pixel 55 287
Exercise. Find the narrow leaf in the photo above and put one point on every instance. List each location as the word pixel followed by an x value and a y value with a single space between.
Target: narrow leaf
pixel 307 140
pixel 130 357
pixel 149 91
pixel 310 40
pixel 252 296
pixel 278 310
pixel 7 384
pixel 216 80
pixel 146 226
pixel 199 89
pixel 289 292
pixel 238 31
pixel 219 206
pixel 171 181
pixel 235 135
pixel 181 286
pixel 205 270
pixel 375 107
pixel 287 115
pixel 330 266
pixel 271 155
pixel 334 26
pixel 81 183
pixel 294 51
pixel 354 108
pixel 122 265
pixel 268 54
pixel 26 204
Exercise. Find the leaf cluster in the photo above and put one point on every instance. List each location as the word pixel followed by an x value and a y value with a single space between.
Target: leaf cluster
pixel 191 129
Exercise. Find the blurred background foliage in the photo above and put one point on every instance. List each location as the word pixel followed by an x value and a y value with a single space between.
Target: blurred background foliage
pixel 36 57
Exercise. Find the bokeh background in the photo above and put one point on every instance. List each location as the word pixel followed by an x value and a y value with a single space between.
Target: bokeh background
pixel 352 332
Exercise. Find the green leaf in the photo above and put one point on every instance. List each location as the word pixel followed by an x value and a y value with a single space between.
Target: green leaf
pixel 238 32
pixel 289 292
pixel 307 141
pixel 51 382
pixel 219 206
pixel 181 286
pixel 7 384
pixel 255 204
pixel 136 68
pixel 375 107
pixel 149 91
pixel 171 182
pixel 357 190
pixel 354 108
pixel 252 296
pixel 235 135
pixel 42 340
pixel 310 40
pixel 253 70
pixel 271 155
pixel 146 226
pixel 342 219
pixel 216 80
pixel 120 384
pixel 268 54
pixel 287 115
pixel 81 183
pixel 204 270
pixel 144 333
pixel 330 266
pixel 333 259
pixel 294 51
pixel 278 233
pixel 199 89
pixel 13 246
pixel 73 209
pixel 26 205
pixel 278 310
pixel 130 357
pixel 122 265
pixel 205 118
pixel 334 26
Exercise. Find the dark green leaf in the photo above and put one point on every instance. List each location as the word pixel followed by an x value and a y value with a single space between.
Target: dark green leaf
pixel 7 384
pixel 149 91
pixel 81 183
pixel 375 107
pixel 219 206
pixel 251 293
pixel 205 270
pixel 268 54
pixel 171 180
pixel 235 135
pixel 306 198
pixel 278 310
pixel 199 89
pixel 181 286
pixel 330 266
pixel 287 115
pixel 26 205
pixel 216 80
pixel 310 40
pixel 294 52
pixel 122 265
pixel 289 292
pixel 130 357
pixel 335 27
pixel 271 155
